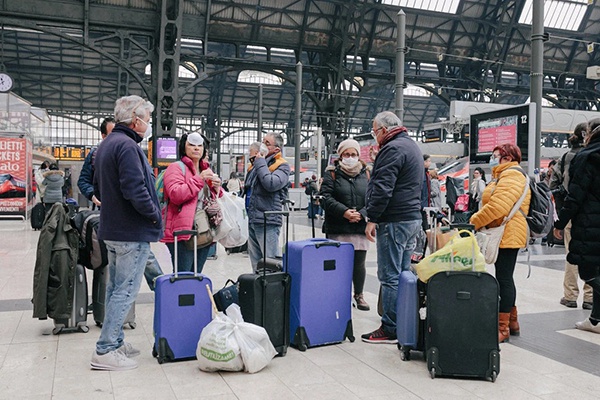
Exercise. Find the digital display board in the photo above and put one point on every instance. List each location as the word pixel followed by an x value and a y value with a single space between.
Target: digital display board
pixel 166 149
pixel 488 130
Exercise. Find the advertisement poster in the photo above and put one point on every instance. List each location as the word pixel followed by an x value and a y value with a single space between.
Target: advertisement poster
pixel 16 164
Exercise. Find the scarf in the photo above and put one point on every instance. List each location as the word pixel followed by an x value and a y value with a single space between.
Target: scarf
pixel 383 138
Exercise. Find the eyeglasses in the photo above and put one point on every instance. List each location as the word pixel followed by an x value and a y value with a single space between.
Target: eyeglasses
pixel 374 132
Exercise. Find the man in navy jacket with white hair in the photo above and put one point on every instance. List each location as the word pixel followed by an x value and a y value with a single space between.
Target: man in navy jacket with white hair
pixel 130 219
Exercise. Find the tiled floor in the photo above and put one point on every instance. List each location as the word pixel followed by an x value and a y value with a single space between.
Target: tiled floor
pixel 551 360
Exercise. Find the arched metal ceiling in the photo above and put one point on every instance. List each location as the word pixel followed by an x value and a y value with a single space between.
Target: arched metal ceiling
pixel 79 56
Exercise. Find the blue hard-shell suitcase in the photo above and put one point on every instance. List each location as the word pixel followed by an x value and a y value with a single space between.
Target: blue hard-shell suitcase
pixel 182 309
pixel 321 292
pixel 409 325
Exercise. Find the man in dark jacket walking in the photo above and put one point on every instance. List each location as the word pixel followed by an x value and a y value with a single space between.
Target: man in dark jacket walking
pixel 393 208
pixel 130 219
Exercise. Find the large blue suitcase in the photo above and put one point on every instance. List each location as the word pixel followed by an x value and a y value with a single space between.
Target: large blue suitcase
pixel 321 292
pixel 182 308
pixel 409 325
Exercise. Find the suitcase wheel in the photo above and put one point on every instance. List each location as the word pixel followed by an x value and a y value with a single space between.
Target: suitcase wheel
pixel 404 354
pixel 84 328
pixel 494 376
pixel 56 331
pixel 351 339
pixel 302 346
pixel 132 325
pixel 432 373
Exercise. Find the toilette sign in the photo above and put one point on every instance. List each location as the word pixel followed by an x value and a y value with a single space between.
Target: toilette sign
pixel 15 175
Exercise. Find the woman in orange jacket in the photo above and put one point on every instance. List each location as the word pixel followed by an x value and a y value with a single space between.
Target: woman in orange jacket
pixel 498 199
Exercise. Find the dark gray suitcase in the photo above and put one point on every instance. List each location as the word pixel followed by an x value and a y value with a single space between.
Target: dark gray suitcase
pixel 264 300
pixel 461 337
pixel 78 318
pixel 99 299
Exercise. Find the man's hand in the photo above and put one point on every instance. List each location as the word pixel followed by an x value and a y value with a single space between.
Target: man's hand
pixel 95 200
pixel 371 231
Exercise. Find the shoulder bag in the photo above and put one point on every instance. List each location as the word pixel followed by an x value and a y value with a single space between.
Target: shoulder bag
pixel 489 238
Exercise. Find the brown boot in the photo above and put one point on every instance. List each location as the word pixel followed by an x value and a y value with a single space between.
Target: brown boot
pixel 503 331
pixel 361 304
pixel 513 325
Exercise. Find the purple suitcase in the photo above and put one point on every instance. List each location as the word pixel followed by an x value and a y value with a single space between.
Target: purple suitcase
pixel 321 292
pixel 182 308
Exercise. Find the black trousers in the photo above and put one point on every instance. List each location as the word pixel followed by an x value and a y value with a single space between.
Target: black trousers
pixel 591 275
pixel 505 268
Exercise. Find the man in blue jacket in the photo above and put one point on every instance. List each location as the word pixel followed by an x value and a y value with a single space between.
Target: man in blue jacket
pixel 130 219
pixel 270 181
pixel 393 208
pixel 85 183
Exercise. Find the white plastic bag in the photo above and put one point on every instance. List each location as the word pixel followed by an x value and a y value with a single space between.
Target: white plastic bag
pixel 234 211
pixel 253 341
pixel 218 348
pixel 227 223
pixel 228 343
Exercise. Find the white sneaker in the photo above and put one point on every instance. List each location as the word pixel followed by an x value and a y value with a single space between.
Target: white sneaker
pixel 112 361
pixel 586 325
pixel 128 350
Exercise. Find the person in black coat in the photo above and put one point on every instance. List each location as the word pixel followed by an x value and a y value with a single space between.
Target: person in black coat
pixel 343 190
pixel 582 208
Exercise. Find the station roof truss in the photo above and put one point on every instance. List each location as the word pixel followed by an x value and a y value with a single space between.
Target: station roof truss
pixel 78 57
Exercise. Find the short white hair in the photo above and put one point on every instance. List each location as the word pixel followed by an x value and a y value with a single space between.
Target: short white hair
pixel 127 108
pixel 387 119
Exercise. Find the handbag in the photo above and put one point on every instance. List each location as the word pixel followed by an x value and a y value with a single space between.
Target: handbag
pixel 211 206
pixel 202 226
pixel 489 239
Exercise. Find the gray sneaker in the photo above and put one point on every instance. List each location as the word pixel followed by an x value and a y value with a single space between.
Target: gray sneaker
pixel 128 350
pixel 112 361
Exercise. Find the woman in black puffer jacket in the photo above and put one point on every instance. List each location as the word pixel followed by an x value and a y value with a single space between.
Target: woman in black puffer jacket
pixel 582 208
pixel 343 190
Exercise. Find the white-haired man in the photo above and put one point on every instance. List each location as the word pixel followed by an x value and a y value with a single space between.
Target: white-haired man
pixel 130 219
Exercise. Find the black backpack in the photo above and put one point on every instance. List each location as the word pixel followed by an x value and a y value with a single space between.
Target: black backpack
pixel 540 217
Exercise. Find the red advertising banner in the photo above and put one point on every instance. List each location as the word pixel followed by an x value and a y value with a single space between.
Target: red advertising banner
pixel 16 164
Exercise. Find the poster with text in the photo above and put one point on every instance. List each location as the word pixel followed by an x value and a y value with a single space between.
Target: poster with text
pixel 16 195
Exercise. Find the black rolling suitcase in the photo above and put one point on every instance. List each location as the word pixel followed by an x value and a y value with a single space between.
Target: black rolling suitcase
pixel 264 299
pixel 461 336
pixel 38 214
pixel 77 321
pixel 99 299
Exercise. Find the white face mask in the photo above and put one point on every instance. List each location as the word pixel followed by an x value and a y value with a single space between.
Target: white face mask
pixel 148 131
pixel 350 161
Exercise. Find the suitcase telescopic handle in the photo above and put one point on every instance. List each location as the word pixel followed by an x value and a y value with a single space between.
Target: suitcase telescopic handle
pixel 194 234
pixel 286 214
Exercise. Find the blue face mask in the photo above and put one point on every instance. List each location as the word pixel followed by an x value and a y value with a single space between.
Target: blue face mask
pixel 494 162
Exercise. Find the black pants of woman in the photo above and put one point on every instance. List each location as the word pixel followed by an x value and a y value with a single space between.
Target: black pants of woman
pixel 505 268
pixel 360 272
pixel 591 275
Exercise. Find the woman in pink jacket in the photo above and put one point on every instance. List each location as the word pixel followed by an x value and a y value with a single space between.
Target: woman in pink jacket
pixel 182 184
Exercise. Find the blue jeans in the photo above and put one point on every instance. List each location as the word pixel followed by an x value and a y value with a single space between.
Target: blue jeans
pixel 256 242
pixel 185 257
pixel 152 270
pixel 396 242
pixel 126 264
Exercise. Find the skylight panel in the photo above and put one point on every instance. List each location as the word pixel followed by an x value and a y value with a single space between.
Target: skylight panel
pixel 258 77
pixel 558 14
pixel 444 6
